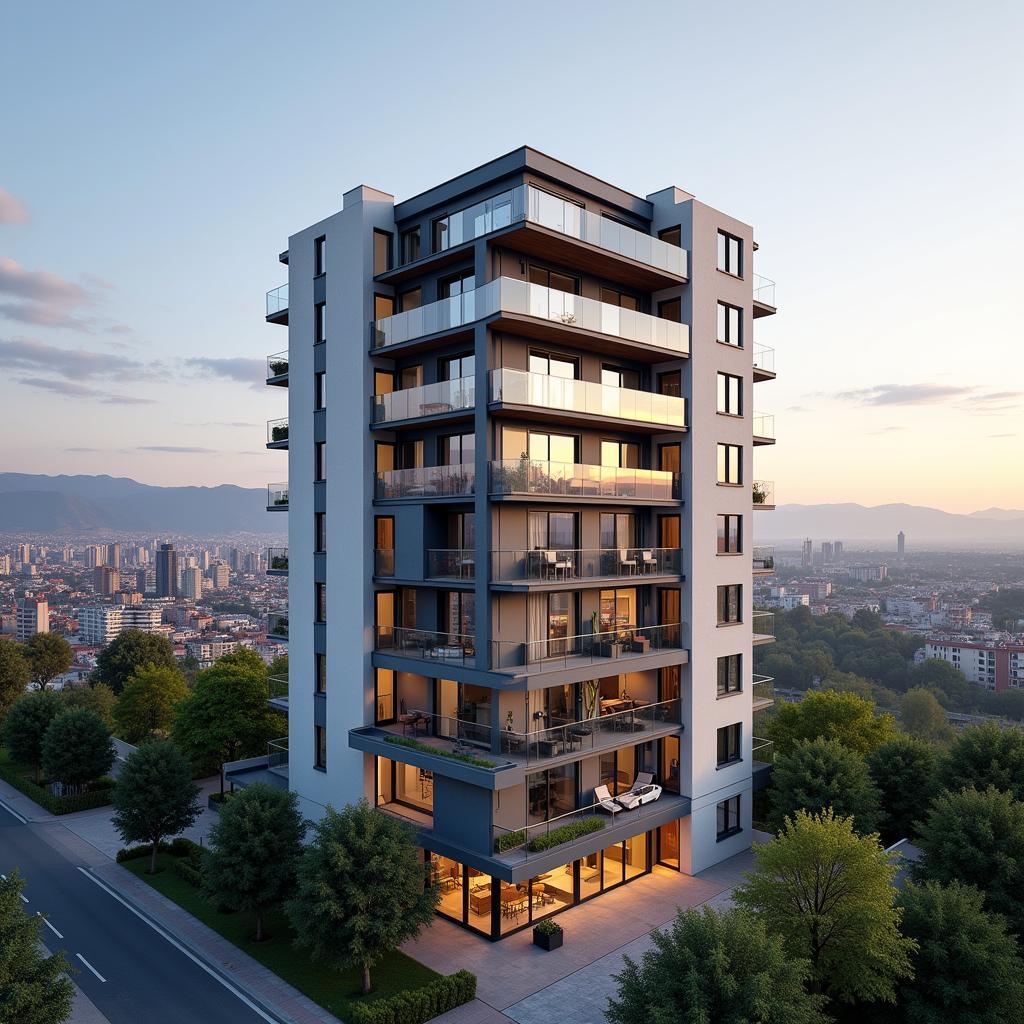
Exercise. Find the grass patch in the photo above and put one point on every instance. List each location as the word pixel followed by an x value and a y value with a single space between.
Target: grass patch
pixel 21 778
pixel 335 991
pixel 426 748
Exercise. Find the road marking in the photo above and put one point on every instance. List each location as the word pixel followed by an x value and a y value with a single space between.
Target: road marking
pixel 24 898
pixel 11 810
pixel 50 926
pixel 236 992
pixel 90 966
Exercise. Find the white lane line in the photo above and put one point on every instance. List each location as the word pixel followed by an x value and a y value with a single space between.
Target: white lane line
pixel 11 810
pixel 237 993
pixel 24 898
pixel 48 925
pixel 90 966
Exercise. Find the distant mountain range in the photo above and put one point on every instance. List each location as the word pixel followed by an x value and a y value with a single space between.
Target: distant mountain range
pixel 879 524
pixel 80 504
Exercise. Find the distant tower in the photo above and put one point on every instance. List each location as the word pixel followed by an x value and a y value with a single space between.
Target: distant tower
pixel 167 571
pixel 826 552
pixel 901 543
pixel 807 556
pixel 837 551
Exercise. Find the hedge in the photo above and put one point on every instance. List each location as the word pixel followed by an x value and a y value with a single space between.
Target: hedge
pixel 510 840
pixel 180 847
pixel 565 834
pixel 417 1005
pixel 426 748
pixel 98 797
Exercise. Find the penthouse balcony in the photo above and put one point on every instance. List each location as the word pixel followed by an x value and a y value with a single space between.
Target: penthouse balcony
pixel 277 561
pixel 537 311
pixel 764 430
pixel 526 479
pixel 277 497
pixel 763 624
pixel 541 224
pixel 426 482
pixel 764 692
pixel 764 296
pixel 557 566
pixel 443 398
pixel 277 433
pixel 277 626
pixel 764 560
pixel 277 369
pixel 277 305
pixel 764 494
pixel 556 398
pixel 764 362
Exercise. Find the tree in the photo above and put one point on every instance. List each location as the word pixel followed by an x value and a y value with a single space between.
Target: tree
pixel 147 703
pixel 254 851
pixel 357 852
pixel 967 966
pixel 26 724
pixel 14 674
pixel 279 666
pixel 977 837
pixel 985 755
pixel 924 717
pixel 823 773
pixel 127 653
pixel 904 772
pixel 98 698
pixel 227 715
pixel 839 716
pixel 715 967
pixel 828 892
pixel 77 748
pixel 944 679
pixel 49 655
pixel 34 987
pixel 154 797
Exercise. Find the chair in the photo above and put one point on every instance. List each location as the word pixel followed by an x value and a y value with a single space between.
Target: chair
pixel 626 563
pixel 555 565
pixel 604 801
pixel 642 779
pixel 410 720
pixel 648 561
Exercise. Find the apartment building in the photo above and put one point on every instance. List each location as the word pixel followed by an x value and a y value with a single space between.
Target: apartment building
pixel 32 615
pixel 995 665
pixel 520 444
pixel 99 624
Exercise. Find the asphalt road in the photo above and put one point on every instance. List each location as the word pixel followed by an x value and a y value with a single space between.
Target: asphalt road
pixel 132 972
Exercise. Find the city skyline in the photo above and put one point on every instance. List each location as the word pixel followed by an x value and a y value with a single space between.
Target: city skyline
pixel 127 299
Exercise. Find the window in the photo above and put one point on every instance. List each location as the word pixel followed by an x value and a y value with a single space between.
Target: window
pixel 320 672
pixel 670 458
pixel 671 309
pixel 617 530
pixel 412 299
pixel 729 679
pixel 728 744
pixel 730 394
pixel 320 747
pixel 456 367
pixel 457 284
pixel 559 530
pixel 411 377
pixel 616 298
pixel 730 464
pixel 381 251
pixel 617 377
pixel 384 545
pixel 730 534
pixel 729 603
pixel 441 234
pixel 383 382
pixel 321 601
pixel 457 450
pixel 383 306
pixel 730 324
pixel 730 254
pixel 553 279
pixel 319 322
pixel 620 454
pixel 729 818
pixel 673 236
pixel 320 390
pixel 409 242
pixel 320 531
pixel 320 468
pixel 384 456
pixel 670 383
pixel 384 685
pixel 553 366
pixel 320 255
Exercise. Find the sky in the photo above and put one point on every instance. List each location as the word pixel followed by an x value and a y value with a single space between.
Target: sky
pixel 154 159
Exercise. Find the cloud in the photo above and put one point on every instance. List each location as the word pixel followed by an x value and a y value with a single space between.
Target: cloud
pixel 798 408
pixel 245 371
pixel 40 286
pixel 1002 435
pixel 175 448
pixel 72 390
pixel 930 394
pixel 83 449
pixel 12 210
pixel 30 354
pixel 219 423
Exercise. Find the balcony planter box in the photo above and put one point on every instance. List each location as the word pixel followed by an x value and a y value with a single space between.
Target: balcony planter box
pixel 640 645
pixel 548 938
pixel 609 650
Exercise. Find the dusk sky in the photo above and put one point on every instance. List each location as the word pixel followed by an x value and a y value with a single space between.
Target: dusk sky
pixel 154 158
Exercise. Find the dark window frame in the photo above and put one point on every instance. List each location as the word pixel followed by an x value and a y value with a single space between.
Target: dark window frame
pixel 416 231
pixel 319 461
pixel 319 672
pixel 389 259
pixel 320 390
pixel 733 394
pixel 319 532
pixel 733 466
pixel 319 601
pixel 320 748
pixel 723 537
pixel 733 247
pixel 320 256
pixel 729 600
pixel 728 340
pixel 676 230
pixel 729 810
pixel 729 740
pixel 320 323
pixel 728 668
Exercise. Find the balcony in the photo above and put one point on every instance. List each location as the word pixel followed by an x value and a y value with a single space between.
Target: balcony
pixel 277 305
pixel 277 693
pixel 764 692
pixel 277 626
pixel 764 362
pixel 763 627
pixel 573 481
pixel 277 756
pixel 561 565
pixel 764 296
pixel 535 310
pixel 451 564
pixel 383 561
pixel 558 396
pixel 277 497
pixel 427 645
pixel 764 430
pixel 277 433
pixel 764 494
pixel 277 561
pixel 277 369
pixel 438 399
pixel 762 750
pixel 426 482
pixel 764 560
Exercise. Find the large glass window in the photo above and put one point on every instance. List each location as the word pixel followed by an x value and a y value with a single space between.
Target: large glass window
pixel 730 324
pixel 729 744
pixel 729 603
pixel 554 365
pixel 616 298
pixel 730 394
pixel 553 530
pixel 729 818
pixel 618 530
pixel 730 679
pixel 381 251
pixel 670 383
pixel 619 377
pixel 384 679
pixel 673 236
pixel 616 769
pixel 669 774
pixel 383 306
pixel 384 545
pixel 455 367
pixel 409 242
pixel 456 284
pixel 553 279
pixel 458 610
pixel 730 534
pixel 617 609
pixel 730 464
pixel 730 254
pixel 411 299
pixel 551 793
pixel 669 532
pixel 457 450
pixel 561 622
pixel 620 454
pixel 321 601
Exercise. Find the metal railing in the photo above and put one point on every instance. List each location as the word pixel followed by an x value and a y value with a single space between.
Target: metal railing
pixel 277 300
pixel 764 426
pixel 277 495
pixel 764 492
pixel 277 364
pixel 763 624
pixel 426 482
pixel 277 624
pixel 277 755
pixel 764 559
pixel 383 561
pixel 763 688
pixel 572 480
pixel 457 729
pixel 585 648
pixel 427 400
pixel 764 290
pixel 449 648
pixel 762 750
pixel 554 564
pixel 764 358
pixel 520 387
pixel 277 559
pixel 277 430
pixel 451 563
pixel 277 687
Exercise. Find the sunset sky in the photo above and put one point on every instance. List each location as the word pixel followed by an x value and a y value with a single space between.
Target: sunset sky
pixel 153 159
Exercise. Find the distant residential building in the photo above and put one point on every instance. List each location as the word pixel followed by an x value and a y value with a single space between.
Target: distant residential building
pixel 166 571
pixel 787 602
pixel 995 665
pixel 33 616
pixel 868 573
pixel 207 651
pixel 24 553
pixel 220 574
pixel 837 550
pixel 5 565
pixel 99 624
pixel 145 581
pixel 192 583
pixel 807 554
pixel 113 555
pixel 901 543
pixel 958 616
pixel 816 590
pixel 908 607
pixel 105 580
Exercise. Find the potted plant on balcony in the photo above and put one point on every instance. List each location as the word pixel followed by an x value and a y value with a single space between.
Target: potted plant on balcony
pixel 760 495
pixel 548 935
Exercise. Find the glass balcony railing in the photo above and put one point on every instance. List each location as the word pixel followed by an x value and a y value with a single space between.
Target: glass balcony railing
pixel 764 290
pixel 764 493
pixel 277 364
pixel 277 687
pixel 764 358
pixel 426 400
pixel 520 387
pixel 763 692
pixel 277 300
pixel 764 559
pixel 384 561
pixel 763 624
pixel 449 648
pixel 277 559
pixel 426 482
pixel 764 426
pixel 567 479
pixel 277 430
pixel 277 756
pixel 277 496
pixel 762 750
pixel 277 624
pixel 528 203
pixel 451 563
pixel 556 564
pixel 622 642
pixel 512 295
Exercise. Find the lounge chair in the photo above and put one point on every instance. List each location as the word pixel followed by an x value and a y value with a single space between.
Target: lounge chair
pixel 642 779
pixel 604 801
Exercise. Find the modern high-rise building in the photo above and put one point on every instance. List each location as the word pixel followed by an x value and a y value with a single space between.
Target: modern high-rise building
pixel 106 580
pixel 24 553
pixel 33 616
pixel 837 551
pixel 192 583
pixel 220 574
pixel 5 565
pixel 521 485
pixel 807 553
pixel 827 552
pixel 166 571
pixel 901 543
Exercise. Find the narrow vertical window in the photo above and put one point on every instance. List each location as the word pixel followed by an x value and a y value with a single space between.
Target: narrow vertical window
pixel 730 324
pixel 730 254
pixel 320 255
pixel 320 322
pixel 320 672
pixel 381 251
pixel 320 744
pixel 321 461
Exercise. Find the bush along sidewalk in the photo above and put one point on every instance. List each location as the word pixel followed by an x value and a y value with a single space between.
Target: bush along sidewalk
pixel 418 1005
pixel 98 794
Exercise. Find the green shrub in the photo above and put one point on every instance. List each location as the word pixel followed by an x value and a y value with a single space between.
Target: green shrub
pixel 510 840
pixel 98 794
pixel 188 869
pixel 426 748
pixel 548 927
pixel 418 1005
pixel 565 834
pixel 182 847
pixel 138 852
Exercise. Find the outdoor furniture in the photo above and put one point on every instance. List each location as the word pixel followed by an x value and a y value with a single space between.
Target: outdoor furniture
pixel 639 644
pixel 467 566
pixel 626 563
pixel 648 561
pixel 604 801
pixel 638 797
pixel 411 720
pixel 554 564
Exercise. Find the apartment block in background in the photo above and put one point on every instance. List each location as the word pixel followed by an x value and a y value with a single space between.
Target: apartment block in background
pixel 33 616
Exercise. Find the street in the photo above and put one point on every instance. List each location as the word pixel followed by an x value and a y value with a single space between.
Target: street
pixel 131 971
